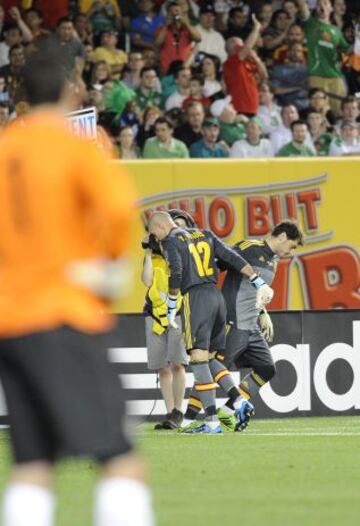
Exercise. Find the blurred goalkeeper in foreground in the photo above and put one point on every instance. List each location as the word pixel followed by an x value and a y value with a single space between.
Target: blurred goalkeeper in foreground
pixel 65 217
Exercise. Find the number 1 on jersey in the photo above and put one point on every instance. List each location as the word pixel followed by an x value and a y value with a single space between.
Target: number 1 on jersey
pixel 201 254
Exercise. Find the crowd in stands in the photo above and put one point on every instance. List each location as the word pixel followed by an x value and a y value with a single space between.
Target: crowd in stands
pixel 198 78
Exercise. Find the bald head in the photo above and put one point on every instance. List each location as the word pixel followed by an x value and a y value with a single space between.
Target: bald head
pixel 160 224
pixel 233 45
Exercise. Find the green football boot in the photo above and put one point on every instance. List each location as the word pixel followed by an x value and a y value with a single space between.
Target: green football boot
pixel 227 421
pixel 192 428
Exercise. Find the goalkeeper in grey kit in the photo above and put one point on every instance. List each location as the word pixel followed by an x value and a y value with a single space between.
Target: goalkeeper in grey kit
pixel 191 254
pixel 250 328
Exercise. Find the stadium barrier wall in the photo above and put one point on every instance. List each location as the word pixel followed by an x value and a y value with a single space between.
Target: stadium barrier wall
pixel 240 199
pixel 317 355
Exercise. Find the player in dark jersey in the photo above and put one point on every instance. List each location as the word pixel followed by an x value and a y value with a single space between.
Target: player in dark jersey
pixel 191 255
pixel 250 328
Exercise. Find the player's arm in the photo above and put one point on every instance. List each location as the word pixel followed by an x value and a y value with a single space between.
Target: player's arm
pixel 105 193
pixel 173 258
pixel 147 273
pixel 236 261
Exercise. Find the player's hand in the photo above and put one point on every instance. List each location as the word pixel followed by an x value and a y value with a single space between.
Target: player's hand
pixel 266 325
pixel 15 13
pixel 256 22
pixel 264 293
pixel 171 315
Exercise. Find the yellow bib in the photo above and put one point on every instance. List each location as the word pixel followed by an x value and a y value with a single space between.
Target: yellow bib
pixel 158 292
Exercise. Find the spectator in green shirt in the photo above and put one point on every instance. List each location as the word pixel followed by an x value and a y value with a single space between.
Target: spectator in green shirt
pixel 324 41
pixel 147 93
pixel 163 145
pixel 319 134
pixel 297 147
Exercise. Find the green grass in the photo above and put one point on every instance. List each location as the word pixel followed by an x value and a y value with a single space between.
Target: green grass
pixel 293 472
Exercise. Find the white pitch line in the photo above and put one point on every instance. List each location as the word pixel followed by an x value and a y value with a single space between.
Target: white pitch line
pixel 254 434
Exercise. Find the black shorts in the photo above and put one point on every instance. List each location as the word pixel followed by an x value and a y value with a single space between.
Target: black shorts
pixel 204 317
pixel 63 396
pixel 246 349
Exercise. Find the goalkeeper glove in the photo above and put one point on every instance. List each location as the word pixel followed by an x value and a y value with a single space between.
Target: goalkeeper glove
pixel 266 325
pixel 172 303
pixel 264 292
pixel 107 279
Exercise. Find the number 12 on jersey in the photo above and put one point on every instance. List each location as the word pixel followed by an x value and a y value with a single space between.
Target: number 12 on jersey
pixel 201 254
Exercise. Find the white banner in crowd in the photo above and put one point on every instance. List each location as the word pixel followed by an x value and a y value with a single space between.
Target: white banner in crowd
pixel 83 123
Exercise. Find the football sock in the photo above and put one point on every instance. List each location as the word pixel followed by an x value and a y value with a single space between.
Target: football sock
pixel 123 502
pixel 205 386
pixel 27 505
pixel 194 405
pixel 251 384
pixel 223 377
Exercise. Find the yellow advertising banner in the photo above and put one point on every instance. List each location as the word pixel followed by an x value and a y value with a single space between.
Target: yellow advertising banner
pixel 244 199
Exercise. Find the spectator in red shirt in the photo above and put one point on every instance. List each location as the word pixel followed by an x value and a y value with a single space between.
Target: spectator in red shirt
pixel 241 70
pixel 175 40
pixel 53 11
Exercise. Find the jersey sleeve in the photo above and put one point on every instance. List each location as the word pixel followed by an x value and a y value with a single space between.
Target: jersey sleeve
pixel 173 258
pixel 226 255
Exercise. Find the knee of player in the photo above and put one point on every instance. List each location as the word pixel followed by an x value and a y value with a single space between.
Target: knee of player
pixel 164 372
pixel 177 367
pixel 199 355
pixel 266 372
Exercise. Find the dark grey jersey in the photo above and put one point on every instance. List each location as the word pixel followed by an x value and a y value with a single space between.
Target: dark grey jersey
pixel 239 293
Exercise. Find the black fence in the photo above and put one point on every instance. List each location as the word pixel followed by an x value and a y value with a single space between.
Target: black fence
pixel 317 356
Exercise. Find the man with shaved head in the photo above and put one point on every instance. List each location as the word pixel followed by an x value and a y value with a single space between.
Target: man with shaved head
pixel 190 254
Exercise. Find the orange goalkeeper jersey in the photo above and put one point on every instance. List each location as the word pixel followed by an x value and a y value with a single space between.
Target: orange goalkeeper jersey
pixel 60 201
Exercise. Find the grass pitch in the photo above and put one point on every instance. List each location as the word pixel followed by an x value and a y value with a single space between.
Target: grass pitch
pixel 293 472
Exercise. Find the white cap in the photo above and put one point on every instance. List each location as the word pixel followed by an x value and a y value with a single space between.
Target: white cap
pixel 218 106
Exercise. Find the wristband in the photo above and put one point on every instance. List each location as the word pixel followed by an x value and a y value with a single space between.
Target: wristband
pixel 257 281
pixel 172 302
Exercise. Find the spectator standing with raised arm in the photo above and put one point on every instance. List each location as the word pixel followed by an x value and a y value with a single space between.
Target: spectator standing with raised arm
pixel 242 70
pixel 324 41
